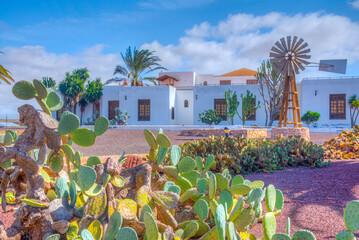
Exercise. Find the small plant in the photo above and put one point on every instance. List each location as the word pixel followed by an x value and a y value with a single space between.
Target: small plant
pixel 120 118
pixel 249 107
pixel 310 117
pixel 91 120
pixel 209 117
pixel 354 109
pixel 232 105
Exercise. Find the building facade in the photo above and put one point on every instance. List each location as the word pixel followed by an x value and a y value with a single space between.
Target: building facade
pixel 181 96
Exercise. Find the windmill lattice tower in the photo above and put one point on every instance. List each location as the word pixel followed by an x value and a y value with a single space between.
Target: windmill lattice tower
pixel 287 57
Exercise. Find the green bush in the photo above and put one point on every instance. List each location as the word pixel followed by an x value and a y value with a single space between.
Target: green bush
pixel 256 155
pixel 209 117
pixel 310 117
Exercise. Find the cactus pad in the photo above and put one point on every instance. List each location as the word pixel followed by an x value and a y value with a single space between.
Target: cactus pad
pixel 83 137
pixel 86 177
pixel 202 230
pixel 187 194
pixel 191 176
pixel 279 201
pixel 35 203
pixel 222 181
pixel 269 225
pixel 183 183
pixel 96 206
pixel 53 237
pixel 61 187
pixel 202 209
pixel 117 181
pixel 167 185
pixel 72 230
pixel 212 186
pixel 56 163
pixel 199 163
pixel 40 89
pixel 303 235
pixel 161 155
pixel 209 162
pixel 345 235
pixel 127 208
pixel 238 179
pixel 53 100
pixel 220 220
pixel 256 184
pixel 142 197
pixel 231 231
pixel 270 197
pixel 113 226
pixel 94 190
pixel 51 195
pixel 186 164
pixel 96 229
pixel 190 230
pixel 151 227
pixel 163 141
pixel 225 197
pixel 280 236
pixel 68 123
pixel 24 90
pixel 151 139
pixel 93 160
pixel 239 190
pixel 175 189
pixel 236 209
pixel 86 235
pixel 101 125
pixel 72 193
pixel 126 233
pixel 202 185
pixel 351 216
pixel 244 219
pixel 175 155
pixel 168 200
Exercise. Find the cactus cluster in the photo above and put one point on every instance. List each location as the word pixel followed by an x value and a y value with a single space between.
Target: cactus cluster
pixel 242 155
pixel 345 146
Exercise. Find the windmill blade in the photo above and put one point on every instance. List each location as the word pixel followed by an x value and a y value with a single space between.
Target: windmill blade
pixel 304 51
pixel 289 40
pixel 299 65
pixel 303 61
pixel 303 56
pixel 296 68
pixel 298 44
pixel 274 49
pixel 293 43
pixel 275 55
pixel 280 46
pixel 301 47
pixel 284 44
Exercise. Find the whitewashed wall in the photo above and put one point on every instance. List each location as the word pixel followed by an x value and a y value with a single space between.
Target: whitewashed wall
pixel 185 78
pixel 320 103
pixel 184 116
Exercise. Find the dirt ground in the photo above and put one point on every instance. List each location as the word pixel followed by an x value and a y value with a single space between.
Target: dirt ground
pixel 115 141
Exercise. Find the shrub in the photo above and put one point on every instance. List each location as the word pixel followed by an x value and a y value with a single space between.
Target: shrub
pixel 120 118
pixel 251 155
pixel 209 117
pixel 310 117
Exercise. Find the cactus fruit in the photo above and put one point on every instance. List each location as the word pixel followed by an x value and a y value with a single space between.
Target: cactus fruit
pixel 113 226
pixel 202 185
pixel 93 160
pixel 270 198
pixel 86 177
pixel 209 162
pixel 96 229
pixel 53 237
pixel 163 141
pixel 239 190
pixel 190 230
pixel 212 186
pixel 151 227
pixel 202 209
pixel 72 193
pixel 151 139
pixel 175 155
pixel 351 216
pixel 280 236
pixel 126 233
pixel 86 235
pixel 220 220
pixel 96 206
pixel 186 164
pixel 345 235
pixel 187 194
pixel 269 225
pixel 24 90
pixel 83 137
pixel 303 235
pixel 101 126
pixel 279 202
pixel 69 122
pixel 61 187
pixel 225 197
pixel 222 181
pixel 161 155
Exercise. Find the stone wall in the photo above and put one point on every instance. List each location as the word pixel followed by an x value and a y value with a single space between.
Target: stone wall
pixel 287 131
pixel 247 133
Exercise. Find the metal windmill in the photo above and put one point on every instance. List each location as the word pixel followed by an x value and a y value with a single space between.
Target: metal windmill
pixel 287 57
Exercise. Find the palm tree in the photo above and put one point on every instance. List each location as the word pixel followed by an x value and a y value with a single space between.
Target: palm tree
pixel 49 82
pixel 5 74
pixel 94 93
pixel 83 103
pixel 354 109
pixel 137 64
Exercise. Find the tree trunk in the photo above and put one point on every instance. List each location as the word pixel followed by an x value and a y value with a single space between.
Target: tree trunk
pixel 75 105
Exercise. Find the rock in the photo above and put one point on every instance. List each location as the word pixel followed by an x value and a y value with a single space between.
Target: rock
pixel 61 226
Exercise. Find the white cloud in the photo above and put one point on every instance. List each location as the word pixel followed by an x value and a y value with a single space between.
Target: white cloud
pixel 30 62
pixel 355 4
pixel 173 4
pixel 244 40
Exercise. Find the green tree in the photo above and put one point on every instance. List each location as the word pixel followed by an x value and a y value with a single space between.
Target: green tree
pixel 354 109
pixel 94 94
pixel 49 82
pixel 310 117
pixel 209 117
pixel 137 64
pixel 83 104
pixel 248 106
pixel 232 104
pixel 270 86
pixel 5 75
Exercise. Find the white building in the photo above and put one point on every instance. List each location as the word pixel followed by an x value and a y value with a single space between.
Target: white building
pixel 182 96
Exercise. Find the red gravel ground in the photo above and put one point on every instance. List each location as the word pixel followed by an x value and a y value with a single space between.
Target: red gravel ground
pixel 314 198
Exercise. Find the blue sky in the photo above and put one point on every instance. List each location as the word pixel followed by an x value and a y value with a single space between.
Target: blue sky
pixel 48 38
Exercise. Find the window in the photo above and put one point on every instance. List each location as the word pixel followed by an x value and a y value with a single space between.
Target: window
pixel 253 116
pixel 220 107
pixel 112 105
pixel 186 103
pixel 144 110
pixel 337 106
pixel 172 113
pixel 205 83
pixel 225 82
pixel 252 81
